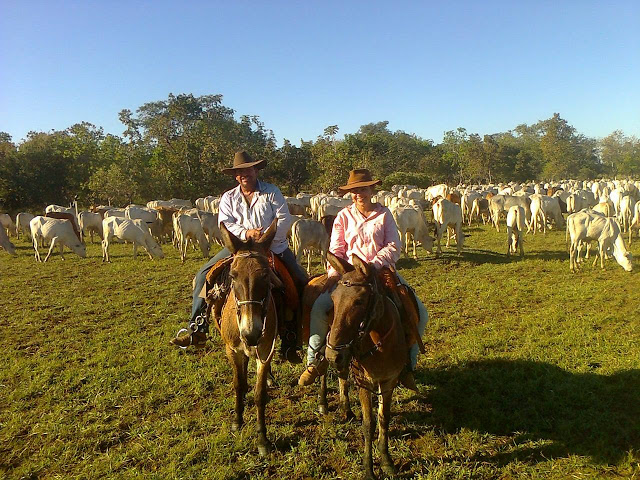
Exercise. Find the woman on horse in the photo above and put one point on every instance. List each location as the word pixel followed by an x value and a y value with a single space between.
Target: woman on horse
pixel 366 229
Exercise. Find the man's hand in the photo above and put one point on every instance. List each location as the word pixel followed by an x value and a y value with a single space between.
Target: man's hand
pixel 254 233
pixel 330 283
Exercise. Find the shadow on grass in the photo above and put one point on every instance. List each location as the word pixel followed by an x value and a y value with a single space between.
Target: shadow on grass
pixel 582 414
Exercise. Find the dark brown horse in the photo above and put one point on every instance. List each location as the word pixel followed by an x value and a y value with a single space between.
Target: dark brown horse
pixel 249 322
pixel 367 334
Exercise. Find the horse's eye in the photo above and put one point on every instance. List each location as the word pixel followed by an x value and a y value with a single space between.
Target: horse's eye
pixel 357 301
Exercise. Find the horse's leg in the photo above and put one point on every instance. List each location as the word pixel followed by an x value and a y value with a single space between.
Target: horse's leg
pixel 368 428
pixel 260 397
pixel 323 407
pixel 384 413
pixel 345 404
pixel 239 363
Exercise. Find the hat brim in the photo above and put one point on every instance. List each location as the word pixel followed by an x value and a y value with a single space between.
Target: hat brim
pixel 232 170
pixel 369 183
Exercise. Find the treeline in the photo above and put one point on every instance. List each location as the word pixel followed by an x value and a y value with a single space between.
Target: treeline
pixel 176 148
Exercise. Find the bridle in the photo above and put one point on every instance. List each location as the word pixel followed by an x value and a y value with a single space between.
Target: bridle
pixel 365 325
pixel 264 306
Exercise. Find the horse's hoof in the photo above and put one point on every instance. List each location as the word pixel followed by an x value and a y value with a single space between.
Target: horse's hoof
pixel 348 416
pixel 264 449
pixel 323 410
pixel 389 469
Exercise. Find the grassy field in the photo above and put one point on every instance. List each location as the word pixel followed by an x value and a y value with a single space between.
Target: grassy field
pixel 530 372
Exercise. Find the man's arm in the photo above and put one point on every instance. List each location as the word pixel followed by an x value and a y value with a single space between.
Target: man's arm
pixel 226 216
pixel 281 211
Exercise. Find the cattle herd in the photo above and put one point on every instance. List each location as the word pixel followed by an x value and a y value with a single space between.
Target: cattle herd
pixel 599 211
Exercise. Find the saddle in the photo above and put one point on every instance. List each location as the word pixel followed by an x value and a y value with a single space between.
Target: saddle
pixel 402 296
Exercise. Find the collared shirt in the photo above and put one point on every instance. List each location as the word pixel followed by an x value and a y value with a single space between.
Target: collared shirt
pixel 373 238
pixel 266 204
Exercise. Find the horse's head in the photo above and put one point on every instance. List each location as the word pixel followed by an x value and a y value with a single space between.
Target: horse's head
pixel 356 304
pixel 251 280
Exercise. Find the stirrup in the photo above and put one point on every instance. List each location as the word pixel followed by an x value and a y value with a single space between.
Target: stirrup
pixel 185 330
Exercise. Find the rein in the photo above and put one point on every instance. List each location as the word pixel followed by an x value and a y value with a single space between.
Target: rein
pixel 264 305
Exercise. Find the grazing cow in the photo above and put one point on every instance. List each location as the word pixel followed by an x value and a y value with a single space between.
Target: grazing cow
pixel 187 227
pixel 66 216
pixel 59 232
pixel 584 226
pixel 625 213
pixel 605 208
pixel 7 223
pixel 635 223
pixel 131 231
pixel 90 223
pixel 480 207
pixel 165 215
pixel 499 204
pixel 467 203
pixel 211 227
pixel 6 244
pixel 308 235
pixel 434 191
pixel 115 212
pixel 515 230
pixel 576 202
pixel 543 208
pixel 22 223
pixel 445 214
pixel 411 221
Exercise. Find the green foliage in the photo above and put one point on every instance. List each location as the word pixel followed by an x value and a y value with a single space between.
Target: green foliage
pixel 178 146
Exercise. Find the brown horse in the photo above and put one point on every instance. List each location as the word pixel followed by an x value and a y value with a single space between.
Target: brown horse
pixel 249 323
pixel 367 334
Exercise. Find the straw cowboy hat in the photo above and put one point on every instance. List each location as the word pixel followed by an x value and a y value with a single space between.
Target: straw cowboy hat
pixel 360 177
pixel 243 160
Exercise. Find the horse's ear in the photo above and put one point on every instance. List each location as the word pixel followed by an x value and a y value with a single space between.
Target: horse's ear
pixel 360 265
pixel 229 240
pixel 341 266
pixel 264 242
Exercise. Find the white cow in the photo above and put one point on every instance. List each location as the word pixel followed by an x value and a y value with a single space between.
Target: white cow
pixel 115 212
pixel 635 222
pixel 211 227
pixel 499 204
pixel 131 231
pixel 583 227
pixel 411 221
pixel 434 191
pixel 480 207
pixel 22 223
pixel 445 214
pixel 187 227
pixel 543 208
pixel 6 244
pixel 515 230
pixel 466 202
pixel 90 223
pixel 625 212
pixel 58 232
pixel 7 223
pixel 308 235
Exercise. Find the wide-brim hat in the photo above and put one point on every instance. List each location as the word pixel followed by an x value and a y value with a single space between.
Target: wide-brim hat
pixel 360 177
pixel 243 160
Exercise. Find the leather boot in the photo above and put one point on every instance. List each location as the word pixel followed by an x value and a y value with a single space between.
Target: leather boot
pixel 197 339
pixel 313 371
pixel 407 379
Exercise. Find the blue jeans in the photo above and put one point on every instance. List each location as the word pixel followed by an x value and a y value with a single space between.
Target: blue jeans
pixel 319 326
pixel 288 258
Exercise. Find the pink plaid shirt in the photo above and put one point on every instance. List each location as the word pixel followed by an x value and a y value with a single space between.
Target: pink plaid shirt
pixel 374 239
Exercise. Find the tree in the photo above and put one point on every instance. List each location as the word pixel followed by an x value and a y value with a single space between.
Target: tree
pixel 112 186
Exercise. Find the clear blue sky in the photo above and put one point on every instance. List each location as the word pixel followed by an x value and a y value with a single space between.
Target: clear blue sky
pixel 426 67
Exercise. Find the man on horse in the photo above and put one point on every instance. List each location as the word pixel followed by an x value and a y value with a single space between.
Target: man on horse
pixel 368 230
pixel 246 210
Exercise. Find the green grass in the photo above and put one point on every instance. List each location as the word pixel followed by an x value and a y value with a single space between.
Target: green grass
pixel 530 372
